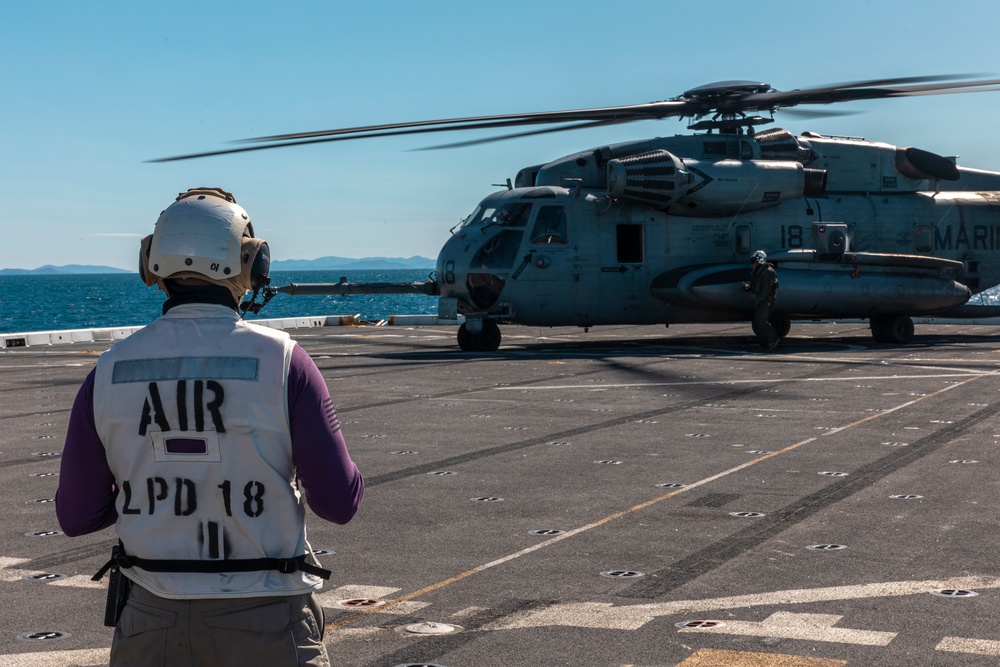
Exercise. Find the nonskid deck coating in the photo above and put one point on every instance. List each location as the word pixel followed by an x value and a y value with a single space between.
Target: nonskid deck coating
pixel 680 456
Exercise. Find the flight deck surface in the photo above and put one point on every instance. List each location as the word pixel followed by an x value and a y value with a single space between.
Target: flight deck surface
pixel 628 496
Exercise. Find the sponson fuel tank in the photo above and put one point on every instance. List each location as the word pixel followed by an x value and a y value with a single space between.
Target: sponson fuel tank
pixel 856 284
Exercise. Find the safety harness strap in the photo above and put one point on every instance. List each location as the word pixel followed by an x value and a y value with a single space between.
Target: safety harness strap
pixel 283 565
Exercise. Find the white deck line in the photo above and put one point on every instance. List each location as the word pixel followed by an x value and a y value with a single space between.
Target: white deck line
pixel 112 334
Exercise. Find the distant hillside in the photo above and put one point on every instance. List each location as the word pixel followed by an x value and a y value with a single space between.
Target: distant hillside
pixel 69 269
pixel 340 263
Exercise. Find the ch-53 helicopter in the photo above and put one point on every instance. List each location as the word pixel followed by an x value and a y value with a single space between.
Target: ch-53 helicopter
pixel 660 230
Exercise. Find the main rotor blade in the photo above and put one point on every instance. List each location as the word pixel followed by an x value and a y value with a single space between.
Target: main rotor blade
pixel 504 137
pixel 697 103
pixel 405 128
pixel 655 109
pixel 652 110
pixel 810 114
pixel 897 81
pixel 864 90
pixel 948 92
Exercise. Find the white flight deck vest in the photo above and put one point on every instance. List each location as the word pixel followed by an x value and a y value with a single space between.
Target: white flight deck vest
pixel 193 414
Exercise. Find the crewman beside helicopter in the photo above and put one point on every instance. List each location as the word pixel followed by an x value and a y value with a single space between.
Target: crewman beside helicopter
pixel 764 287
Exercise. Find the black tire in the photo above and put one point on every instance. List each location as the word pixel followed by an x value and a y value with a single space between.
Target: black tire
pixel 465 339
pixel 892 329
pixel 487 340
pixel 782 325
pixel 900 329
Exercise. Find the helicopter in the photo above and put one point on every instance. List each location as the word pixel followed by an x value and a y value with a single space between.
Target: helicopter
pixel 660 231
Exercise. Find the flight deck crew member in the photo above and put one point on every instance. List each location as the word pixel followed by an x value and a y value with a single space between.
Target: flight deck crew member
pixel 764 287
pixel 188 437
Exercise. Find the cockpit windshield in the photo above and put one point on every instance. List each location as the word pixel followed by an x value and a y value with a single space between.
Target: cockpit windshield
pixel 512 214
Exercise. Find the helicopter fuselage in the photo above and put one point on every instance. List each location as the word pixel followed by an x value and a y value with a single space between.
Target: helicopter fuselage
pixel 660 231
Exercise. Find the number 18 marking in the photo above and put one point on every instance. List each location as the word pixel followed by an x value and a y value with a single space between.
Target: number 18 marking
pixel 253 498
pixel 791 237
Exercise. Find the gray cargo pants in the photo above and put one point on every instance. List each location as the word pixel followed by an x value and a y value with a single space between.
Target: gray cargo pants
pixel 155 631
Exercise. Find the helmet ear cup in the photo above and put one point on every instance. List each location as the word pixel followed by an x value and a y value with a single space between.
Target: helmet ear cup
pixel 145 274
pixel 256 258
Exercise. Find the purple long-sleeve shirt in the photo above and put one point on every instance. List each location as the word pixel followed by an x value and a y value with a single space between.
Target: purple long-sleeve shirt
pixel 331 482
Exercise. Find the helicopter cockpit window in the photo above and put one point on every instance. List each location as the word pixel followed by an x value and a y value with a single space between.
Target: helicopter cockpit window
pixel 498 253
pixel 550 226
pixel 475 216
pixel 514 214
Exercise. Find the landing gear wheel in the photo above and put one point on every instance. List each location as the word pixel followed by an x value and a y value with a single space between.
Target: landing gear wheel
pixel 892 329
pixel 782 325
pixel 487 340
pixel 465 339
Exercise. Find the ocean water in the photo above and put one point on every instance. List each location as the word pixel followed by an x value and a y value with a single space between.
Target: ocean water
pixel 49 303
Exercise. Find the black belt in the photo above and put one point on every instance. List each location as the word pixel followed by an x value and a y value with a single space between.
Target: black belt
pixel 283 565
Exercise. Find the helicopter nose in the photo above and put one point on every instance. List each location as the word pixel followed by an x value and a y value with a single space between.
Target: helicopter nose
pixel 450 269
pixel 477 270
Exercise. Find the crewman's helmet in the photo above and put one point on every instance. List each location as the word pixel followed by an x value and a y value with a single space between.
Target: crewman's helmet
pixel 206 236
pixel 758 257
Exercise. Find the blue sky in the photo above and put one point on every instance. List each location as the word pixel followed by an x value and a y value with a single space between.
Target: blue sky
pixel 91 90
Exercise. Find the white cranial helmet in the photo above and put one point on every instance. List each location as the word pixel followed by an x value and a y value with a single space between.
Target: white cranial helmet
pixel 205 235
pixel 759 257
